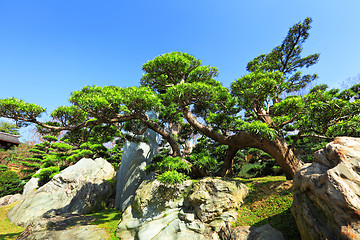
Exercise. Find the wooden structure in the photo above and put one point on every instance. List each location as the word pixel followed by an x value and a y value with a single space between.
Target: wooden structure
pixel 8 140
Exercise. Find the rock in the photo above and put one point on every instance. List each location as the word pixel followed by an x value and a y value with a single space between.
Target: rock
pixel 326 199
pixel 265 232
pixel 66 226
pixel 31 186
pixel 136 156
pixel 191 210
pixel 80 188
pixel 88 232
pixel 10 199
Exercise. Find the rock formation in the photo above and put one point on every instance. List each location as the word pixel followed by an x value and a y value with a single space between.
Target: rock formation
pixel 191 210
pixel 136 156
pixel 32 185
pixel 327 192
pixel 10 199
pixel 79 189
pixel 265 232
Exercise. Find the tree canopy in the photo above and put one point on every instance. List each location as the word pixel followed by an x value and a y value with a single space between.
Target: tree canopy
pixel 260 109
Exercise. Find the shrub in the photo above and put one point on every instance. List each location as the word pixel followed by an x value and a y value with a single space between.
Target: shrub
pixel 168 169
pixel 10 183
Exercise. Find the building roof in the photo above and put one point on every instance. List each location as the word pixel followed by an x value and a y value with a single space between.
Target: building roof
pixel 7 137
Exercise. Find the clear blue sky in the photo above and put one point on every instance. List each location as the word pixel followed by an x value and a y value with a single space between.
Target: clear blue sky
pixel 50 48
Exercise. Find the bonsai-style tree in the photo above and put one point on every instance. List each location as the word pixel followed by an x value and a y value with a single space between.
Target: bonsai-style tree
pixel 260 110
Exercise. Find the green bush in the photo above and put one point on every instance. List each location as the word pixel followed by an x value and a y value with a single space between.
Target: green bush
pixel 168 169
pixel 3 167
pixel 10 183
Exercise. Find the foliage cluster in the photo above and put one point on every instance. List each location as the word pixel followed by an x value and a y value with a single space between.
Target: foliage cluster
pixel 7 127
pixel 10 183
pixel 53 155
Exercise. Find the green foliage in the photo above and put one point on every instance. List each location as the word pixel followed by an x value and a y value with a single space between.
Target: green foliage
pixel 286 58
pixel 258 128
pixel 49 157
pixel 208 156
pixel 172 177
pixel 3 167
pixel 169 169
pixel 7 127
pixel 10 183
pixel 18 109
pixel 173 68
pixel 257 89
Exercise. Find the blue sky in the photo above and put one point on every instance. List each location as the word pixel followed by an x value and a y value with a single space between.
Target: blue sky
pixel 49 49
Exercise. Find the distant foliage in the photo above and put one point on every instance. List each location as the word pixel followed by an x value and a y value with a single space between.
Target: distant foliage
pixel 7 127
pixel 10 183
pixel 53 155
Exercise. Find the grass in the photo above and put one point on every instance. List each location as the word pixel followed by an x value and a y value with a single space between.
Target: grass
pixel 269 201
pixel 8 230
pixel 107 219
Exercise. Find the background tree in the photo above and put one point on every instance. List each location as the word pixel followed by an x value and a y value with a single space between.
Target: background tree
pixel 7 127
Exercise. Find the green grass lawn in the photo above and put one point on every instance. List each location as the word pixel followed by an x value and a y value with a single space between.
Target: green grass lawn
pixel 7 229
pixel 269 201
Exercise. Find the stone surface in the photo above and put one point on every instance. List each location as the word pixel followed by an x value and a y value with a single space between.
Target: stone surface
pixel 136 156
pixel 67 226
pixel 327 192
pixel 191 210
pixel 10 199
pixel 80 188
pixel 265 232
pixel 31 186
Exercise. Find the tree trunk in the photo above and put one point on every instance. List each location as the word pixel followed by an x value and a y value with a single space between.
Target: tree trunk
pixel 283 155
pixel 229 161
pixel 277 148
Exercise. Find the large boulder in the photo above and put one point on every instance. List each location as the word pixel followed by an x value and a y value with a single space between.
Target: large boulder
pixel 136 156
pixel 327 192
pixel 191 210
pixel 79 189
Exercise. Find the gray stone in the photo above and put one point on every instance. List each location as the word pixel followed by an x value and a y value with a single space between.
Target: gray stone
pixel 327 193
pixel 31 186
pixel 211 197
pixel 265 232
pixel 161 211
pixel 80 188
pixel 10 199
pixel 89 232
pixel 136 156
pixel 62 227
